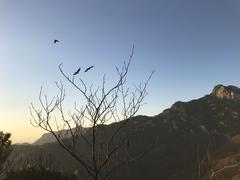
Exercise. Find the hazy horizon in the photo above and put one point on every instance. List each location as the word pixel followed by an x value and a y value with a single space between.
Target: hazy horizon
pixel 192 46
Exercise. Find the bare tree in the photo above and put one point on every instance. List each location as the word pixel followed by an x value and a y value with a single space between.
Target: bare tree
pixel 99 151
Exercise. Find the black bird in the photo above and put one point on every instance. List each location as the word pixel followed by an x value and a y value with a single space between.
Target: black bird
pixel 55 41
pixel 88 68
pixel 77 71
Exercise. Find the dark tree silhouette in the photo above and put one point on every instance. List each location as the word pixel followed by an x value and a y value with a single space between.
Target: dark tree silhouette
pixel 30 173
pixel 100 152
pixel 5 149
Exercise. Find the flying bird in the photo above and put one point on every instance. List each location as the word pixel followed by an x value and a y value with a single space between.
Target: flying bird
pixel 77 71
pixel 55 41
pixel 88 68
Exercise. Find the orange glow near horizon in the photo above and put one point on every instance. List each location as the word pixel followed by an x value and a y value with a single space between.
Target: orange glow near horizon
pixel 19 126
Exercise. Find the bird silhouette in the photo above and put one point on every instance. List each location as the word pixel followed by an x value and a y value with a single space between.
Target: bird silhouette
pixel 77 71
pixel 55 41
pixel 88 68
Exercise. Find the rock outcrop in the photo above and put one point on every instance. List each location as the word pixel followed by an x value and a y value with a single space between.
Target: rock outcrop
pixel 226 92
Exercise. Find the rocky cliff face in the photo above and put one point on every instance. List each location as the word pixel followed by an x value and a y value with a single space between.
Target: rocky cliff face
pixel 227 92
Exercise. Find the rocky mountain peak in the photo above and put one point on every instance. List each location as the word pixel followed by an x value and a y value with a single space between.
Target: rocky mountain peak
pixel 227 92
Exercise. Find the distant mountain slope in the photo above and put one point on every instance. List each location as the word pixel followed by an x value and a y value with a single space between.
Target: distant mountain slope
pixel 45 138
pixel 183 135
pixel 49 138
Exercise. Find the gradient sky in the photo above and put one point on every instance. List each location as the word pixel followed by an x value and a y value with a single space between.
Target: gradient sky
pixel 192 44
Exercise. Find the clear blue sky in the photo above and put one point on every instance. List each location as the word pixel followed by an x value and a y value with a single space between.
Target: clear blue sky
pixel 192 44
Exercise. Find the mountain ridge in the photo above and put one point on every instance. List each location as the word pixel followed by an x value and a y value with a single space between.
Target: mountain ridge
pixel 220 91
pixel 184 132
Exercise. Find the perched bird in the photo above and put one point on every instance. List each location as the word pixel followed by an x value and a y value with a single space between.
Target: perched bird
pixel 77 71
pixel 55 41
pixel 88 68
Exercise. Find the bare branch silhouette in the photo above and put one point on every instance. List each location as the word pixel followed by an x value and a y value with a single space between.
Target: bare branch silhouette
pixel 98 150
